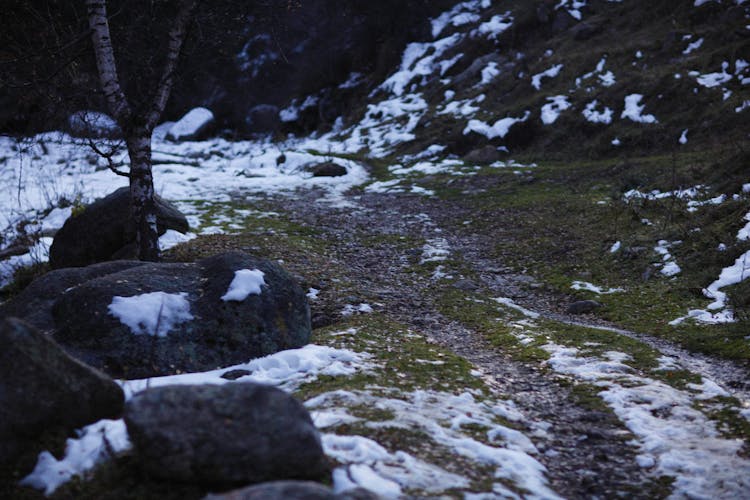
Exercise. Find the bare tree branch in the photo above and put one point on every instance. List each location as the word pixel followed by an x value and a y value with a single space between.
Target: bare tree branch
pixel 177 36
pixel 105 61
pixel 107 156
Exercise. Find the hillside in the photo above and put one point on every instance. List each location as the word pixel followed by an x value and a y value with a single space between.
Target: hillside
pixel 529 281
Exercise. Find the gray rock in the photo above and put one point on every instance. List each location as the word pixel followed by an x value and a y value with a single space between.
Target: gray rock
pixel 292 490
pixel 221 333
pixel 327 169
pixel 583 307
pixel 466 285
pixel 484 155
pixel 263 119
pixel 34 303
pixel 93 124
pixel 234 434
pixel 104 228
pixel 42 388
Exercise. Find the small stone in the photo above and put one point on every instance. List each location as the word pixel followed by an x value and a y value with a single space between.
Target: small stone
pixel 327 169
pixel 235 374
pixel 583 307
pixel 466 285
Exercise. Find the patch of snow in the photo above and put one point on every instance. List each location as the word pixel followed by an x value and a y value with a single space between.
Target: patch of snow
pixel 683 137
pixel 595 116
pixel 616 141
pixel 551 111
pixel 669 267
pixel 510 303
pixel 499 129
pixel 461 14
pixel 361 308
pixel 285 369
pixel 312 293
pixel 573 7
pixel 435 250
pixel 489 73
pixel 442 416
pixel 674 438
pixel 495 27
pixel 38 253
pixel 154 313
pixel 94 444
pixel 718 311
pixel 584 285
pixel 536 80
pixel 172 238
pixel 693 46
pixel 615 247
pixel 633 110
pixel 245 282
pixel 419 59
pixel 711 80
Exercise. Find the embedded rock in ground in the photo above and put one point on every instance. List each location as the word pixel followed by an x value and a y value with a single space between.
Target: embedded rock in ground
pixel 43 389
pixel 483 155
pixel 104 228
pixel 292 490
pixel 172 317
pixel 327 169
pixel 583 307
pixel 193 126
pixel 228 435
pixel 93 124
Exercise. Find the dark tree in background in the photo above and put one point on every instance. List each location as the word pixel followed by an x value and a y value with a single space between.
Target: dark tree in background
pixel 126 57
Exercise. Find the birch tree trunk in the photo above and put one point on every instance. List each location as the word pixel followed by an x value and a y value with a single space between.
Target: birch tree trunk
pixel 138 127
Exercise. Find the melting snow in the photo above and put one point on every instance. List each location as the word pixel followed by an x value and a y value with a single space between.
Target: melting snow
pixel 246 282
pixel 674 439
pixel 499 129
pixel 718 311
pixel 536 80
pixel 633 110
pixel 595 116
pixel 154 313
pixel 95 443
pixel 556 105
pixel 584 285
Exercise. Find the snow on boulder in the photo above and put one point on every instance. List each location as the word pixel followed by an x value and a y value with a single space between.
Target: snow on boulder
pixel 246 282
pixel 87 123
pixel 152 313
pixel 165 318
pixel 193 126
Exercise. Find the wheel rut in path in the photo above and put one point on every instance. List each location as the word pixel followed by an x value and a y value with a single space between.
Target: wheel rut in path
pixel 586 451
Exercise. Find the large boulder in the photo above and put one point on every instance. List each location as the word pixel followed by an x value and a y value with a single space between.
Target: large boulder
pixel 43 389
pixel 193 126
pixel 104 228
pixel 228 435
pixel 34 303
pixel 263 119
pixel 171 318
pixel 292 490
pixel 93 124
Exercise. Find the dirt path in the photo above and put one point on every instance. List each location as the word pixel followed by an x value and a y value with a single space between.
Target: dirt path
pixel 585 450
